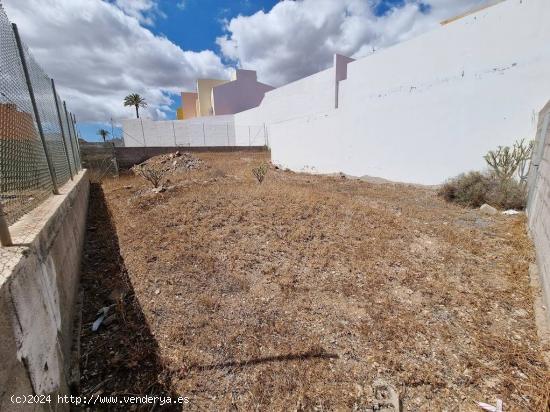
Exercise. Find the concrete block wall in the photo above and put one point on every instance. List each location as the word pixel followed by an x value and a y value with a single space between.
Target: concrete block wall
pixel 538 209
pixel 38 292
pixel 200 131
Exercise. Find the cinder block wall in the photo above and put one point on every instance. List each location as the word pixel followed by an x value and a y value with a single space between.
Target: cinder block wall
pixel 538 209
pixel 38 292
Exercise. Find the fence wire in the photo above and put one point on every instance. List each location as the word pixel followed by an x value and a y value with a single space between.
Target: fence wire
pixel 43 94
pixel 25 179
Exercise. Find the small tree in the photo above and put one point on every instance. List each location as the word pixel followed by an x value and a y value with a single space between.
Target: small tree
pixel 103 133
pixel 523 151
pixel 505 161
pixel 502 162
pixel 260 172
pixel 135 100
pixel 154 174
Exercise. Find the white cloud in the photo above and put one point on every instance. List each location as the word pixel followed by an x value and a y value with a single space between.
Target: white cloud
pixel 98 53
pixel 144 10
pixel 298 38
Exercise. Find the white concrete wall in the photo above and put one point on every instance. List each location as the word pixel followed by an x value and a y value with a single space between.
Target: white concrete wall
pixel 200 131
pixel 38 291
pixel 307 96
pixel 423 110
pixel 538 208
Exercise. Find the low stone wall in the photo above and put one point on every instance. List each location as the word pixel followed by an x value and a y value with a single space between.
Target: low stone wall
pixel 38 292
pixel 130 156
pixel 538 208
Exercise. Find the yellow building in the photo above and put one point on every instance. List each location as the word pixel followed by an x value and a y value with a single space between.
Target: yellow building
pixel 220 97
pixel 188 108
pixel 204 91
pixel 199 103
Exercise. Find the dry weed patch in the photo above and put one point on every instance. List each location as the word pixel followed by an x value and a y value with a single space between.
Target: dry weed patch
pixel 298 293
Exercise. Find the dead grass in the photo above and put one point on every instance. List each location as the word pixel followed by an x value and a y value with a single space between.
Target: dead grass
pixel 296 294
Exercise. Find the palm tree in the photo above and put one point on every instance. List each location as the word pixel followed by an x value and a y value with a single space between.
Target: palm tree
pixel 103 133
pixel 135 100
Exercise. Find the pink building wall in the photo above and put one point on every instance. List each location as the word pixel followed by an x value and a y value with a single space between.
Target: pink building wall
pixel 189 105
pixel 241 94
pixel 341 73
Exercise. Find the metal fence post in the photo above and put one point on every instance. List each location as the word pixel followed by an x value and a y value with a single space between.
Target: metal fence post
pixel 35 108
pixel 73 118
pixel 114 159
pixel 70 132
pixel 61 128
pixel 76 144
pixel 5 237
pixel 174 132
pixel 143 133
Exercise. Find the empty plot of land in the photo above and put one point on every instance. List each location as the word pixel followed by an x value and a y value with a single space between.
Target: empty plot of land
pixel 298 293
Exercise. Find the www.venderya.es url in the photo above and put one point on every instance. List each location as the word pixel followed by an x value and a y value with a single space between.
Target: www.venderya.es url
pixel 100 400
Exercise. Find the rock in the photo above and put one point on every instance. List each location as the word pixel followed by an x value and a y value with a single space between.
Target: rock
pixel 511 212
pixel 159 189
pixel 386 397
pixel 488 209
pixel 128 187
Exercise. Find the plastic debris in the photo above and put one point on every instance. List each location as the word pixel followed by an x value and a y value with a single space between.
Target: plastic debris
pixel 102 313
pixel 491 408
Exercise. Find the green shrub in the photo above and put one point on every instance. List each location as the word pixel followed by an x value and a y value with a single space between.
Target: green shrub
pixel 506 160
pixel 474 189
pixel 153 173
pixel 260 172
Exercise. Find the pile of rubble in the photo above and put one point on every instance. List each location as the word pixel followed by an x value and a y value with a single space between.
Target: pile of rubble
pixel 176 161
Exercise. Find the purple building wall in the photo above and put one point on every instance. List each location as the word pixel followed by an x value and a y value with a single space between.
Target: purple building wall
pixel 239 95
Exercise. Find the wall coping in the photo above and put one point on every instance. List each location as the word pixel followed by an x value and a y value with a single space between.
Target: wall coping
pixel 36 230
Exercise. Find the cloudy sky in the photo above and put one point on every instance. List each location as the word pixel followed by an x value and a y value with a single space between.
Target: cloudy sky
pixel 101 50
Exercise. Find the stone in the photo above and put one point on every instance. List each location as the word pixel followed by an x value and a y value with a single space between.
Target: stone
pixel 488 209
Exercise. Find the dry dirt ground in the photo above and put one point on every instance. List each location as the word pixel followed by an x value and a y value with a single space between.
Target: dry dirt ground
pixel 298 293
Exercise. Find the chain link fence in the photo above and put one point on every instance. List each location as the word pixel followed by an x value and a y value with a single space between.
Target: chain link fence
pixel 100 160
pixel 38 143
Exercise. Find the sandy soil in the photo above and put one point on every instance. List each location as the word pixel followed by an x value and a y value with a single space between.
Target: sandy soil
pixel 298 293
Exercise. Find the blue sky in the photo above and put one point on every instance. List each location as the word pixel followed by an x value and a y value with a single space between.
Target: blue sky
pixel 98 51
pixel 197 24
pixel 193 25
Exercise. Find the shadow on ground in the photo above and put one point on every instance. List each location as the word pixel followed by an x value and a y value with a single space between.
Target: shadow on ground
pixel 122 357
pixel 266 359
